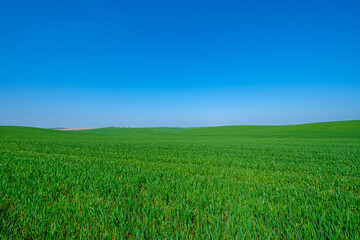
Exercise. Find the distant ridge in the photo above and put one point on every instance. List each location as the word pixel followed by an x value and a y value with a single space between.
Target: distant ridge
pixel 75 129
pixel 79 129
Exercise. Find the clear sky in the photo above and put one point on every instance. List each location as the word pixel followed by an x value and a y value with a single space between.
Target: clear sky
pixel 93 63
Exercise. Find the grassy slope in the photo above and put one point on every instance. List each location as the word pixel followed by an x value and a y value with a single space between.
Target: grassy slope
pixel 300 181
pixel 346 129
pixel 340 129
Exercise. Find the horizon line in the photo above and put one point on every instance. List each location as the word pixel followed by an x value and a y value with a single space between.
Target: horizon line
pixel 230 125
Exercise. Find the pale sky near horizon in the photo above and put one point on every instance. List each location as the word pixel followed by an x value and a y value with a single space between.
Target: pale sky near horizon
pixel 178 64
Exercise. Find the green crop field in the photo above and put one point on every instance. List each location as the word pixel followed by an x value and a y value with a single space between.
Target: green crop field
pixel 233 182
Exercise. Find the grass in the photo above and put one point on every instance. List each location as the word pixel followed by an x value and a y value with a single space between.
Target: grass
pixel 245 182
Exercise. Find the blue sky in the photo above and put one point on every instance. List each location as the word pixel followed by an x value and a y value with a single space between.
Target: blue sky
pixel 178 63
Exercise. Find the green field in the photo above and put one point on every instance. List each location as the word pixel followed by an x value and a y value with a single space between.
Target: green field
pixel 244 182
